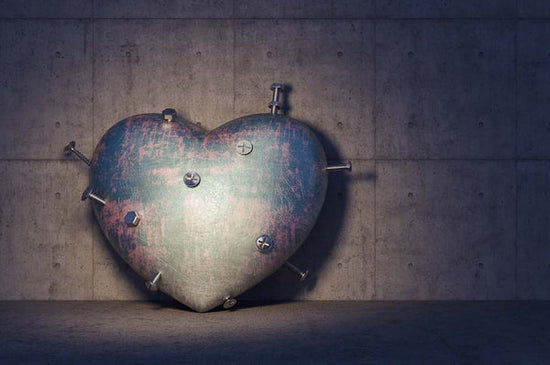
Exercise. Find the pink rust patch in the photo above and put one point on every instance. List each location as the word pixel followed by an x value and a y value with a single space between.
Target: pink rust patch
pixel 168 176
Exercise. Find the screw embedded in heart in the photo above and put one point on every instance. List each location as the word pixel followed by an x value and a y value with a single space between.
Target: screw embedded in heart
pixel 208 215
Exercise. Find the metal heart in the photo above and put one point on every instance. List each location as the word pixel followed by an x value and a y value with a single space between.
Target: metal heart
pixel 197 202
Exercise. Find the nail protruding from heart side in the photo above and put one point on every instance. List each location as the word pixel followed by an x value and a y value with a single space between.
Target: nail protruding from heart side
pixel 191 179
pixel 274 103
pixel 229 302
pixel 264 243
pixel 89 193
pixel 70 148
pixel 132 219
pixel 153 285
pixel 339 167
pixel 169 115
pixel 302 274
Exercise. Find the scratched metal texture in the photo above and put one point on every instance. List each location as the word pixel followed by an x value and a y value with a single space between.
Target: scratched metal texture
pixel 202 239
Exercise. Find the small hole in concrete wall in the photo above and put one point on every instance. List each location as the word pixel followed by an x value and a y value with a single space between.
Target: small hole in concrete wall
pixel 269 54
pixel 57 195
pixel 56 265
pixel 480 54
pixel 57 124
pixel 481 195
pixel 340 194
pixel 410 265
pixel 58 54
pixel 340 54
pixel 339 265
pixel 410 124
pixel 410 195
pixel 480 124
pixel 198 123
pixel 340 125
pixel 198 54
pixel 480 265
pixel 410 54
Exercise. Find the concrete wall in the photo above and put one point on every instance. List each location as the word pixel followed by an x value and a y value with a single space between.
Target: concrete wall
pixel 441 106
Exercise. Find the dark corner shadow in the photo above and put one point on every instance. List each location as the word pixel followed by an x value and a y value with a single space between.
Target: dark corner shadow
pixel 314 254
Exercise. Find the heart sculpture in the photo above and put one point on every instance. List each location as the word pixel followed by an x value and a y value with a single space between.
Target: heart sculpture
pixel 207 214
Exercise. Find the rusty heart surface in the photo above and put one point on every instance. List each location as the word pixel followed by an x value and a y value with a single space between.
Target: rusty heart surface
pixel 214 212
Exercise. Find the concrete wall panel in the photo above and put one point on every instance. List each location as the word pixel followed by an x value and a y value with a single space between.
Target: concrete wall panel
pixel 45 87
pixel 46 9
pixel 163 9
pixel 45 231
pixel 445 9
pixel 533 90
pixel 304 9
pixel 445 89
pixel 146 66
pixel 534 230
pixel 445 230
pixel 329 69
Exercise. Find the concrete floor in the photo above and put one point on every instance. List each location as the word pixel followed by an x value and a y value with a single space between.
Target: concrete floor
pixel 291 332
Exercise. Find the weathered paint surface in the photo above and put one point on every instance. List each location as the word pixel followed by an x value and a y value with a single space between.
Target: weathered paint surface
pixel 202 239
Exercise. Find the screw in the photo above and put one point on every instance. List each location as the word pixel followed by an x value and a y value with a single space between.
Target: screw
pixel 153 284
pixel 229 302
pixel 191 179
pixel 70 148
pixel 244 147
pixel 339 167
pixel 169 114
pixel 274 104
pixel 132 219
pixel 88 193
pixel 303 274
pixel 264 243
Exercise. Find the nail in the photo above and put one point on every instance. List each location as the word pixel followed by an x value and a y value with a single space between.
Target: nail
pixel 153 284
pixel 302 274
pixel 70 148
pixel 274 104
pixel 88 193
pixel 339 167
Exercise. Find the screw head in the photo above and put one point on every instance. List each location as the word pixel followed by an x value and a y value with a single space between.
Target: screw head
pixel 86 193
pixel 229 302
pixel 264 243
pixel 132 219
pixel 151 286
pixel 191 179
pixel 276 85
pixel 244 147
pixel 70 147
pixel 169 114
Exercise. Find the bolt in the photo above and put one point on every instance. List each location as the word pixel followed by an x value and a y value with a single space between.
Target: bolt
pixel 264 243
pixel 339 167
pixel 191 179
pixel 229 302
pixel 169 114
pixel 244 147
pixel 274 103
pixel 70 148
pixel 88 193
pixel 132 219
pixel 302 274
pixel 153 284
